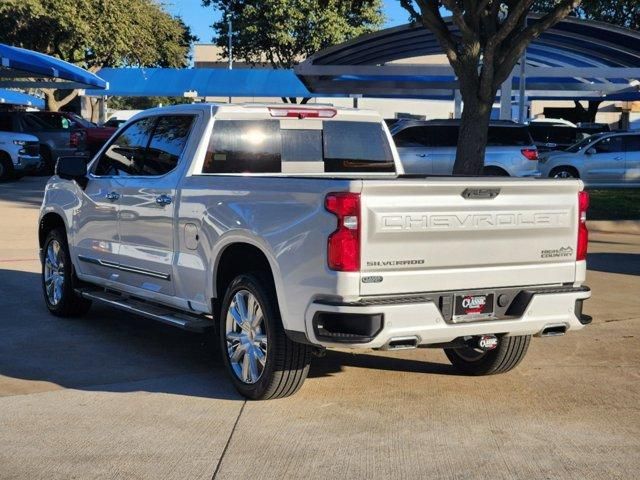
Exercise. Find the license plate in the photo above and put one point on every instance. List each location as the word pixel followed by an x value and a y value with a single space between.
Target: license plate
pixel 469 308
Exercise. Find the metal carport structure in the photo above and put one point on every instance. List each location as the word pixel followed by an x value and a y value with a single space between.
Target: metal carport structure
pixel 22 68
pixel 12 97
pixel 576 59
pixel 200 82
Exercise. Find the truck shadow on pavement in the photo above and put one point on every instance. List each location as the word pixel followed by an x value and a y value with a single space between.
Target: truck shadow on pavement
pixel 27 190
pixel 108 350
pixel 624 263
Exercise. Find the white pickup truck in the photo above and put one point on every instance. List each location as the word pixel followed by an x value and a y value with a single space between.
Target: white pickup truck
pixel 291 229
pixel 19 153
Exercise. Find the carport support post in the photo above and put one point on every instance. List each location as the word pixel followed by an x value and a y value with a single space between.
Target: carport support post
pixel 102 109
pixel 522 87
pixel 457 104
pixel 505 98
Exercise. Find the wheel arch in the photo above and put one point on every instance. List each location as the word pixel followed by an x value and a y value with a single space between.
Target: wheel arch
pixel 242 256
pixel 48 222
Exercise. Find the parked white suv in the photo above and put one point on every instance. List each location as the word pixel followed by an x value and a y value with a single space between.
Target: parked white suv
pixel 429 147
pixel 292 229
pixel 19 154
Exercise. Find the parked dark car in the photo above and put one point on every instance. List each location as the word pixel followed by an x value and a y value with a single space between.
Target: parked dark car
pixel 549 136
pixel 94 136
pixel 56 140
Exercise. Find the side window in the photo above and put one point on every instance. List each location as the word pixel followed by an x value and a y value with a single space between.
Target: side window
pixel 609 145
pixel 244 146
pixel 126 154
pixel 443 135
pixel 632 143
pixel 411 137
pixel 167 143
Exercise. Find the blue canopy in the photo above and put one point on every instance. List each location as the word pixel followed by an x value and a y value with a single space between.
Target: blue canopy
pixel 18 98
pixel 18 62
pixel 201 82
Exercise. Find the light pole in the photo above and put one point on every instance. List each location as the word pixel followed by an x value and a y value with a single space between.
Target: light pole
pixel 230 38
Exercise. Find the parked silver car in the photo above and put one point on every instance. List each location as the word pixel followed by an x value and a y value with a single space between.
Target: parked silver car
pixel 609 159
pixel 429 147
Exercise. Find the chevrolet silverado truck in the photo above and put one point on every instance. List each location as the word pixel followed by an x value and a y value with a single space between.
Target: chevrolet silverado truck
pixel 19 154
pixel 287 230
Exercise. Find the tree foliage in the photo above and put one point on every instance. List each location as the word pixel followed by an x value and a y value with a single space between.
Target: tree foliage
pixel 487 42
pixel 96 33
pixel 623 13
pixel 283 32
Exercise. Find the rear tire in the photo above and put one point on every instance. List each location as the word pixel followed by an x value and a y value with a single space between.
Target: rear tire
pixel 58 278
pixel 506 356
pixel 261 360
pixel 47 166
pixel 564 172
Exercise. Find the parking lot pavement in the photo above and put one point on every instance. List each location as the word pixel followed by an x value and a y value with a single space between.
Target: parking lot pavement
pixel 115 396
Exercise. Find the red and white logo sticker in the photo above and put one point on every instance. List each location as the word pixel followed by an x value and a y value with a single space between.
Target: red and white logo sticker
pixel 474 304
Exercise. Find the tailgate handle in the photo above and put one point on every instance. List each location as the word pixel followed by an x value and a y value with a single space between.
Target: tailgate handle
pixel 480 193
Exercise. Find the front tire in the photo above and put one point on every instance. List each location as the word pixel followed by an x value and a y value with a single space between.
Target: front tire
pixel 262 361
pixel 6 168
pixel 506 356
pixel 58 278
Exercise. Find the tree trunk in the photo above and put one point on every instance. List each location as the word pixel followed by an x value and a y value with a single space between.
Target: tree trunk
pixel 52 103
pixel 472 137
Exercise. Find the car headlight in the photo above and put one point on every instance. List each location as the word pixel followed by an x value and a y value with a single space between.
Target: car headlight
pixel 20 142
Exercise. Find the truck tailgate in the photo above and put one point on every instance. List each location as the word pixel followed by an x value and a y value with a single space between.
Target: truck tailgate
pixel 436 234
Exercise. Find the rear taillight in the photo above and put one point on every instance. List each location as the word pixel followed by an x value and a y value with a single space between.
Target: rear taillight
pixel 583 233
pixel 301 112
pixel 530 153
pixel 74 138
pixel 343 247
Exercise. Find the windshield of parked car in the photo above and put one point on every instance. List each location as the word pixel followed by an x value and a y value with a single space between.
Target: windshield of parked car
pixel 81 121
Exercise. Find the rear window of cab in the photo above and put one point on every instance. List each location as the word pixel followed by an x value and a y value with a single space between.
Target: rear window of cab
pixel 263 146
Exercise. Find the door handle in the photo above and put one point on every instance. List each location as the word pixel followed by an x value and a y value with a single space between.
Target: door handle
pixel 163 200
pixel 421 155
pixel 617 158
pixel 113 196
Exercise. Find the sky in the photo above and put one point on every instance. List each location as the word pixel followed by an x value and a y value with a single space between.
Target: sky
pixel 200 18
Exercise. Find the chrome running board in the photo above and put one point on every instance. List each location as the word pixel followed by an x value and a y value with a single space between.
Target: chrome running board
pixel 185 321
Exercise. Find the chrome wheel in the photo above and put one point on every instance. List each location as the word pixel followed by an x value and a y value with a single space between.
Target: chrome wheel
pixel 246 337
pixel 54 272
pixel 563 174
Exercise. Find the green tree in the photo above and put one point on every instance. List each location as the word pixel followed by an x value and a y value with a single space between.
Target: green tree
pixel 623 13
pixel 283 32
pixel 96 33
pixel 490 39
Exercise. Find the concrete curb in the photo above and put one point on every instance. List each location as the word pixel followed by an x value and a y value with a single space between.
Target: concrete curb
pixel 615 226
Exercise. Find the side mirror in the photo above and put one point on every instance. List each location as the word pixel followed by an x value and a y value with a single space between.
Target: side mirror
pixel 73 168
pixel 591 151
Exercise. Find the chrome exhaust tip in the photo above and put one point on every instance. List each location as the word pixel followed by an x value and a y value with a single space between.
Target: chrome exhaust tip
pixel 402 343
pixel 554 330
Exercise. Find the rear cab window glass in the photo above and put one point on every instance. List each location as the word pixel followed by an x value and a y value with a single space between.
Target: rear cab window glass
pixel 263 146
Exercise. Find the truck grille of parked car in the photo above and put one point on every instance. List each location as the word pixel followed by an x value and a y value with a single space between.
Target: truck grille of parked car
pixel 32 149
